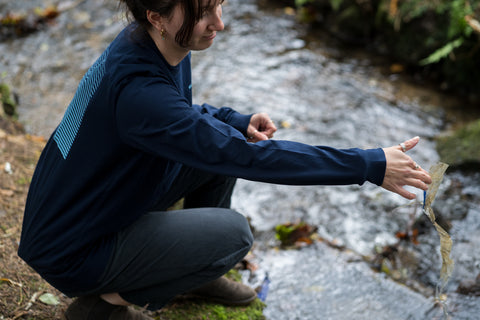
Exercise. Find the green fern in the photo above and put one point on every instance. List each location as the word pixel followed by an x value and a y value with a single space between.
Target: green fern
pixel 458 29
pixel 301 3
pixel 442 52
pixel 336 4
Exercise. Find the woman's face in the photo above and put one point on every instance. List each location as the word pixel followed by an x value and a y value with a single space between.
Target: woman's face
pixel 206 28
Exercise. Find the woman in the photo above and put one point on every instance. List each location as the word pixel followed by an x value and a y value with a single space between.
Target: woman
pixel 131 144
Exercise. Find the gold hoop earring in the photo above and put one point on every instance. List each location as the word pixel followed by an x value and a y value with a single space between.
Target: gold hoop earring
pixel 163 33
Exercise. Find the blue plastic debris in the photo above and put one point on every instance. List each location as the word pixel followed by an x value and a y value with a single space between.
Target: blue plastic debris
pixel 262 294
pixel 424 198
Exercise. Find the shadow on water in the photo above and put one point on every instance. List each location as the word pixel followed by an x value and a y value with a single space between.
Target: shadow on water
pixel 318 94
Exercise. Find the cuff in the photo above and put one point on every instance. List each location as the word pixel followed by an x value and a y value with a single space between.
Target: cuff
pixel 376 166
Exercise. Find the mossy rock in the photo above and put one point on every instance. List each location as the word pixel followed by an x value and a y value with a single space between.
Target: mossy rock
pixel 461 149
pixel 8 102
pixel 200 310
pixel 197 310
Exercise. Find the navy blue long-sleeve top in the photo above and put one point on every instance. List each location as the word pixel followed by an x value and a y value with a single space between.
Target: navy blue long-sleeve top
pixel 128 130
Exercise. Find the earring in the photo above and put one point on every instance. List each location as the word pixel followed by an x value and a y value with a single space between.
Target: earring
pixel 163 33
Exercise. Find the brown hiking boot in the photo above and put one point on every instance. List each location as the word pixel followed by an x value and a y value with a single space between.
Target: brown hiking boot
pixel 226 292
pixel 94 307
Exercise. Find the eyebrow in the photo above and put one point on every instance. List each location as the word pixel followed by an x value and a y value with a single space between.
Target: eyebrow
pixel 211 4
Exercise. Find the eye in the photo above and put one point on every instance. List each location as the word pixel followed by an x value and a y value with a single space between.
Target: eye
pixel 205 12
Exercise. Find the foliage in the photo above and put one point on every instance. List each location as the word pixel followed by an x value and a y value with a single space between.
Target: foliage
pixel 13 25
pixel 196 310
pixel 439 37
pixel 336 4
pixel 292 233
pixel 458 29
pixel 443 52
pixel 8 103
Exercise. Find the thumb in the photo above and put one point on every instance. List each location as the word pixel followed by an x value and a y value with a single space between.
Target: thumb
pixel 259 136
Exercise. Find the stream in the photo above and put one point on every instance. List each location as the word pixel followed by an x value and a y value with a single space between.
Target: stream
pixel 318 93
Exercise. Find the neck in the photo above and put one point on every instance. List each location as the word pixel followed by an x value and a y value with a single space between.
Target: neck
pixel 172 52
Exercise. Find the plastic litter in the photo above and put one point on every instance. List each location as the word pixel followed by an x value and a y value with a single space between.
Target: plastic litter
pixel 437 172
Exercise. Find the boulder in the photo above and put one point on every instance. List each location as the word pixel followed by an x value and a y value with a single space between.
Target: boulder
pixel 461 148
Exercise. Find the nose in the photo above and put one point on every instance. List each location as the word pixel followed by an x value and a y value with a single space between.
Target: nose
pixel 217 23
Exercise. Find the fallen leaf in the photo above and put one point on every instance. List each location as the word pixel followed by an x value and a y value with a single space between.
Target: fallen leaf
pixel 285 124
pixel 49 299
pixel 290 233
pixel 35 138
pixel 6 193
pixel 289 11
pixel 397 68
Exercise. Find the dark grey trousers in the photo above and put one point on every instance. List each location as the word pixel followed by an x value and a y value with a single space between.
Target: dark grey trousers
pixel 166 253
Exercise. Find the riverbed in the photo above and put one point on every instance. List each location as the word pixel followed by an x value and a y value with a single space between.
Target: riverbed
pixel 317 93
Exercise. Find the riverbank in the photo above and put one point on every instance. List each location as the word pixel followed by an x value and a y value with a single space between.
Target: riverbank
pixel 24 294
pixel 265 61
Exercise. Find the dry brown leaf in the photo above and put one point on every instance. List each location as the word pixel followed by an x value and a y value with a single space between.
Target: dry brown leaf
pixel 6 193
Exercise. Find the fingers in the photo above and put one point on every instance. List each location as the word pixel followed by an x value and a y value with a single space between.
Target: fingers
pixel 419 180
pixel 417 183
pixel 406 194
pixel 270 129
pixel 402 170
pixel 267 127
pixel 408 144
pixel 257 136
pixel 261 127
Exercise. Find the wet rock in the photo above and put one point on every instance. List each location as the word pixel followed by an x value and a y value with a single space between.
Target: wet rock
pixel 470 287
pixel 461 149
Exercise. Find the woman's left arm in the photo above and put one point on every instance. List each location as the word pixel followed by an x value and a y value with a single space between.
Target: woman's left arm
pixel 228 115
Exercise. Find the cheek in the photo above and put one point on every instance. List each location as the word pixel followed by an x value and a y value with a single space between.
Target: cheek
pixel 199 29
pixel 196 36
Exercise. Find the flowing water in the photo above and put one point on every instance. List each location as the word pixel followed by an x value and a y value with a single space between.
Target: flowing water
pixel 318 94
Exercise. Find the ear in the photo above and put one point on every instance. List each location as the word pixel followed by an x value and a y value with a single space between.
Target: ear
pixel 155 19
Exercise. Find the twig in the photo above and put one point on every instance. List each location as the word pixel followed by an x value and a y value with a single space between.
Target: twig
pixel 472 22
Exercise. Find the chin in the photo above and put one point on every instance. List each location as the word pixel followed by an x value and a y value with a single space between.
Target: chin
pixel 201 47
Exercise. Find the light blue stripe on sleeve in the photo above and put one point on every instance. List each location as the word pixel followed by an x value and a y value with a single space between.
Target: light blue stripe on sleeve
pixel 67 130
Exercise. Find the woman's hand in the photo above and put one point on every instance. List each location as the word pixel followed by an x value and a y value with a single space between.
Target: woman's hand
pixel 261 127
pixel 403 171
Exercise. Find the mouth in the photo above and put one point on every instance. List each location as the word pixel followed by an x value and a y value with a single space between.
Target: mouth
pixel 211 37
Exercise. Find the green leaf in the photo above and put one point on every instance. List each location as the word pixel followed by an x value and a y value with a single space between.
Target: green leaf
pixel 49 299
pixel 442 52
pixel 299 3
pixel 336 4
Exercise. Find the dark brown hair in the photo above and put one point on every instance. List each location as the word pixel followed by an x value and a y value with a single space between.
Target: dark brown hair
pixel 192 9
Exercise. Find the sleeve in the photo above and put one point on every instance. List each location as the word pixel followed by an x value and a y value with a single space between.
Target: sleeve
pixel 227 115
pixel 154 118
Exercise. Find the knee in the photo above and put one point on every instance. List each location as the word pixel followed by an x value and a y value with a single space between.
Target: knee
pixel 239 230
pixel 234 241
